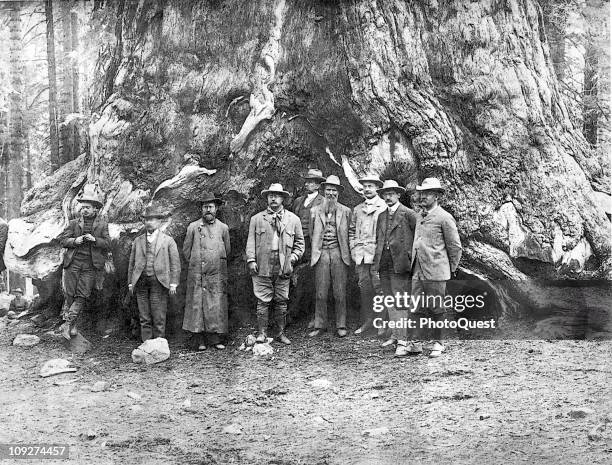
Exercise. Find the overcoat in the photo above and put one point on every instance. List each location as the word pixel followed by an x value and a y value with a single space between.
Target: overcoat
pixel 206 249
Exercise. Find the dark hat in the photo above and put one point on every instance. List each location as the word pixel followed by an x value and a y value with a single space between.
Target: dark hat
pixel 208 197
pixel 154 211
pixel 315 174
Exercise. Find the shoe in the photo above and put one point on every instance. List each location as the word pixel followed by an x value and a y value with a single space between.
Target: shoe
pixel 401 350
pixel 315 333
pixel 389 342
pixel 284 339
pixel 342 332
pixel 311 324
pixel 261 337
pixel 415 348
pixel 65 330
pixel 436 349
pixel 363 329
pixel 202 347
pixel 219 346
pixel 73 331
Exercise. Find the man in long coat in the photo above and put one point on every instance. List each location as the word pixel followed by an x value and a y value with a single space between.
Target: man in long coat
pixel 331 256
pixel 303 293
pixel 362 239
pixel 274 246
pixel 394 237
pixel 153 274
pixel 435 257
pixel 3 239
pixel 207 248
pixel 87 242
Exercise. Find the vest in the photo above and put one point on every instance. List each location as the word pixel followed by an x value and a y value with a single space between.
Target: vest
pixel 388 231
pixel 149 270
pixel 330 234
pixel 82 254
pixel 304 216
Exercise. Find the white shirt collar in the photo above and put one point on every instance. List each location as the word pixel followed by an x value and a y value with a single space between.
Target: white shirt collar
pixel 153 236
pixel 310 198
pixel 394 207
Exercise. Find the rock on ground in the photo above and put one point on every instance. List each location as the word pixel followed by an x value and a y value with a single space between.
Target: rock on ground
pixel 151 351
pixel 26 340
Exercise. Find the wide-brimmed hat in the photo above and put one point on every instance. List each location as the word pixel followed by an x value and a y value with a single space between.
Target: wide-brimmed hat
pixel 208 197
pixel 18 290
pixel 373 178
pixel 333 181
pixel 315 174
pixel 275 188
pixel 90 195
pixel 154 211
pixel 391 185
pixel 431 184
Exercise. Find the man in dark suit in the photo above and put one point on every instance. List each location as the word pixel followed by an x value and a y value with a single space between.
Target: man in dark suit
pixel 331 256
pixel 153 273
pixel 87 242
pixel 302 294
pixel 435 257
pixel 3 239
pixel 392 260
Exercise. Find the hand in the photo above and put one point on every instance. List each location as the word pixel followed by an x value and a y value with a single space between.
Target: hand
pixel 173 289
pixel 253 270
pixel 79 240
pixel 454 274
pixel 293 260
pixel 89 237
pixel 131 288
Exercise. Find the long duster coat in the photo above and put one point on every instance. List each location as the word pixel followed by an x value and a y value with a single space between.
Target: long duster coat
pixel 206 248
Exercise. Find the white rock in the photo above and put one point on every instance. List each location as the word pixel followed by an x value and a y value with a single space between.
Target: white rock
pixel 151 351
pixel 26 340
pixel 375 431
pixel 321 383
pixel 133 395
pixel 232 429
pixel 99 386
pixel 260 350
pixel 56 366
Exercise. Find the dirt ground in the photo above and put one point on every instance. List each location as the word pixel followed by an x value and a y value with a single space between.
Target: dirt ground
pixel 484 402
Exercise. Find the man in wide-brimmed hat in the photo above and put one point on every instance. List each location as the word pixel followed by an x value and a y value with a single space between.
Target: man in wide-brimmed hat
pixel 207 249
pixel 331 255
pixel 19 303
pixel 435 257
pixel 3 239
pixel 87 242
pixel 303 292
pixel 153 273
pixel 274 246
pixel 394 237
pixel 362 240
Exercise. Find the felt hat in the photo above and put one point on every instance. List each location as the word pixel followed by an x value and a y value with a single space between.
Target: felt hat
pixel 315 175
pixel 90 195
pixel 18 290
pixel 373 178
pixel 208 197
pixel 391 185
pixel 333 181
pixel 154 211
pixel 430 184
pixel 275 188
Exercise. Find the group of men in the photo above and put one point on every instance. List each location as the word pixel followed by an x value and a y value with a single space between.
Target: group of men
pixel 395 250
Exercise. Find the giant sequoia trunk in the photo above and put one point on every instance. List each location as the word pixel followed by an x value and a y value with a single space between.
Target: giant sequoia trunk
pixel 227 96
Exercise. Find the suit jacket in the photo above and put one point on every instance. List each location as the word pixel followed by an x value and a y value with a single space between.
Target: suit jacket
pixel 99 248
pixel 401 238
pixel 167 263
pixel 362 231
pixel 437 246
pixel 3 238
pixel 298 204
pixel 259 242
pixel 317 224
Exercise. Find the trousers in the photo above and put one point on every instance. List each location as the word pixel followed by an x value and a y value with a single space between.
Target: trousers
pixel 330 270
pixel 152 300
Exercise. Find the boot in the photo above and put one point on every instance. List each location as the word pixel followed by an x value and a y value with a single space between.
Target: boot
pixel 65 330
pixel 73 329
pixel 262 322
pixel 280 318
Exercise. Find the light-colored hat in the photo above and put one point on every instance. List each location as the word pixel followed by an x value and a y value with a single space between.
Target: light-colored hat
pixel 391 185
pixel 430 184
pixel 333 181
pixel 90 195
pixel 373 178
pixel 18 290
pixel 275 188
pixel 315 174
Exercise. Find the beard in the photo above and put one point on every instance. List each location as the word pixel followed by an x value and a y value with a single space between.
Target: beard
pixel 329 205
pixel 209 217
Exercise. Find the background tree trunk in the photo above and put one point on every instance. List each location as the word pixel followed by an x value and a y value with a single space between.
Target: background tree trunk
pixel 66 99
pixel 53 111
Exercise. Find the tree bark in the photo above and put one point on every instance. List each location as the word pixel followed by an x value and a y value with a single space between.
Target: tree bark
pixel 53 111
pixel 590 97
pixel 66 79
